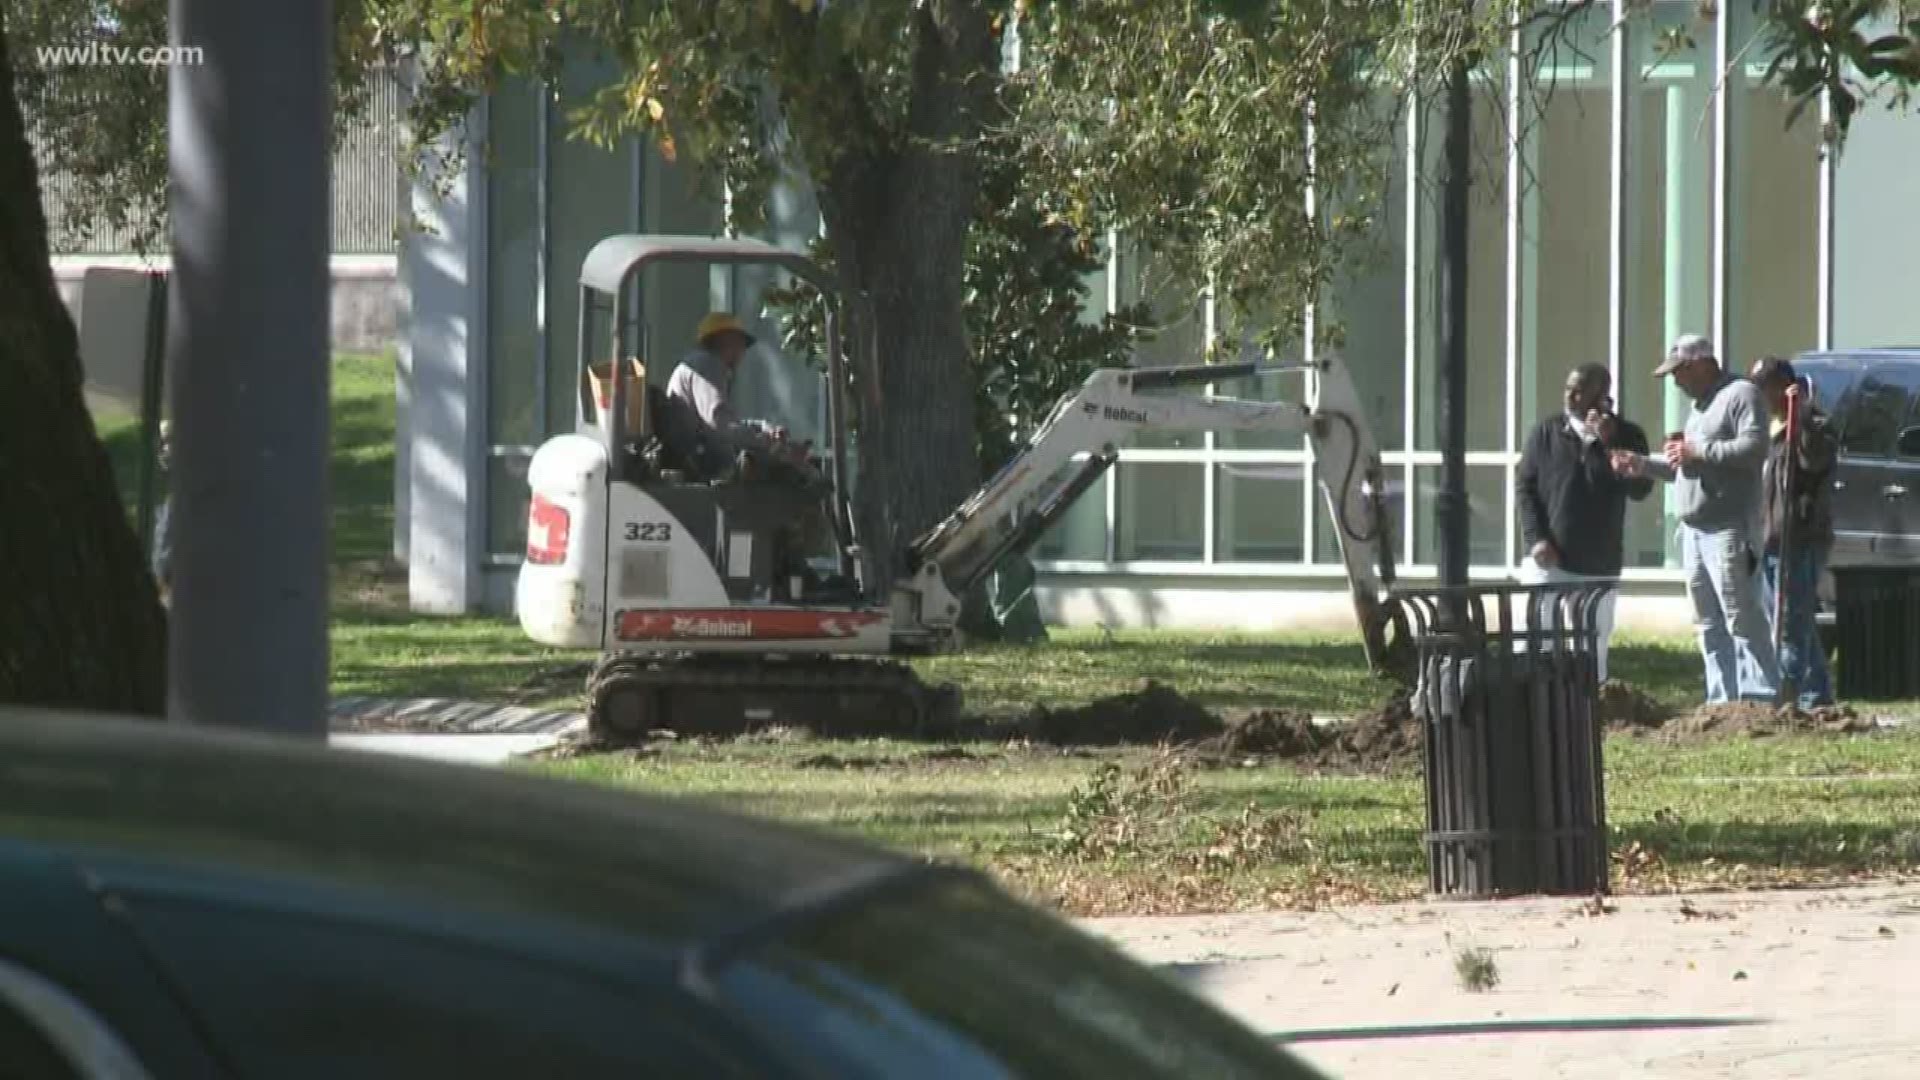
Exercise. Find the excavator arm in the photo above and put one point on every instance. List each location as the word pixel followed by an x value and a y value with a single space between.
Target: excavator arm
pixel 1082 437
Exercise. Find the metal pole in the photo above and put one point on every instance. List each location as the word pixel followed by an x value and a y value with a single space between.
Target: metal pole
pixel 1451 506
pixel 250 106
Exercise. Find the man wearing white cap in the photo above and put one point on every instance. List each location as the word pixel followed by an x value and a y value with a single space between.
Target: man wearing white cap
pixel 1715 465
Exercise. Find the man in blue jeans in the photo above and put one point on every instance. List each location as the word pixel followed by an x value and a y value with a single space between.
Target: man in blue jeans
pixel 1798 508
pixel 1714 465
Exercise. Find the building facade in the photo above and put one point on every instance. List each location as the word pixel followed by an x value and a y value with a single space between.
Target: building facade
pixel 1640 196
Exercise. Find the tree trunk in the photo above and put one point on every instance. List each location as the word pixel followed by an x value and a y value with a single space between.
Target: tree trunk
pixel 899 224
pixel 81 624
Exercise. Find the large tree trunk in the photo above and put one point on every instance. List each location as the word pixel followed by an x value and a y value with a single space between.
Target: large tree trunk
pixel 899 225
pixel 80 619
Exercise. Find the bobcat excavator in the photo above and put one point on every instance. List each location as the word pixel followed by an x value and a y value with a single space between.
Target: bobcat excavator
pixel 687 584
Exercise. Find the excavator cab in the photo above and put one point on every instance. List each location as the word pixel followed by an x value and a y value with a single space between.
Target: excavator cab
pixel 638 531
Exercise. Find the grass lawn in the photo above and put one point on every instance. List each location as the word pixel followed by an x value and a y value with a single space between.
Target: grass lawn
pixel 1160 838
pixel 1130 831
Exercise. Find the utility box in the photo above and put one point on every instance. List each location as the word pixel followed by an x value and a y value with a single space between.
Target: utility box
pixel 1508 691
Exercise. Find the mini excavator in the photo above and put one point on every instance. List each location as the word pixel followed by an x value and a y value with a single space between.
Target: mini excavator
pixel 685 581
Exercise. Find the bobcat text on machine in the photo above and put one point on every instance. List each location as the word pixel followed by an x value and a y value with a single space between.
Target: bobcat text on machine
pixel 689 585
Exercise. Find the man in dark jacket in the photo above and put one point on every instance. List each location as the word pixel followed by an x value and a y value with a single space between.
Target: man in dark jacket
pixel 1797 506
pixel 1573 505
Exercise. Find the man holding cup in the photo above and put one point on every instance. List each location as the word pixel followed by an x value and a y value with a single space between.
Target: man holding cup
pixel 1715 463
pixel 1573 505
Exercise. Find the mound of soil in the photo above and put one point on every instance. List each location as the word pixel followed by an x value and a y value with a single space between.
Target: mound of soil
pixel 1153 714
pixel 1754 719
pixel 1625 707
pixel 1281 732
pixel 1377 741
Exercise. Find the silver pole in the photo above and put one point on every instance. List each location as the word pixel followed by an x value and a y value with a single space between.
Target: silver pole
pixel 250 106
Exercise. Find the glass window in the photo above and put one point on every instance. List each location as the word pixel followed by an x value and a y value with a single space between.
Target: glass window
pixel 1773 210
pixel 507 496
pixel 1486 513
pixel 1487 273
pixel 1326 546
pixel 955 982
pixel 1179 341
pixel 1878 409
pixel 1907 447
pixel 590 194
pixel 1875 231
pixel 676 297
pixel 1365 315
pixel 1832 382
pixel 513 263
pixel 1669 221
pixel 28 1052
pixel 1258 512
pixel 281 994
pixel 1081 533
pixel 1566 224
pixel 1160 511
pixel 1289 386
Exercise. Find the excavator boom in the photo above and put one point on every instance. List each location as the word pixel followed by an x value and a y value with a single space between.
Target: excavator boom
pixel 1081 438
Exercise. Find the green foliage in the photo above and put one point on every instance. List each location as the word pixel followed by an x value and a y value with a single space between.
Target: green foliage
pixel 104 124
pixel 1026 291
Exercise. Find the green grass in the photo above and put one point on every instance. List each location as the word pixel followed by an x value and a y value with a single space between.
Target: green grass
pixel 1738 812
pixel 1682 816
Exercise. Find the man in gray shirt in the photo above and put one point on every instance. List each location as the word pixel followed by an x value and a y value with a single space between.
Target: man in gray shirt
pixel 1715 465
pixel 704 383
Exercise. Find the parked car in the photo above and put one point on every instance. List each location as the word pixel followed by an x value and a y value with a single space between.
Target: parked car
pixel 175 903
pixel 1873 397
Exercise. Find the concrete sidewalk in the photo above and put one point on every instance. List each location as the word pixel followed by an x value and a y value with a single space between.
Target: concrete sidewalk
pixel 1828 980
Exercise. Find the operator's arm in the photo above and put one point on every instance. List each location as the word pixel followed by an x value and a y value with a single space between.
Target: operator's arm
pixel 1534 527
pixel 713 408
pixel 1747 446
pixel 1631 436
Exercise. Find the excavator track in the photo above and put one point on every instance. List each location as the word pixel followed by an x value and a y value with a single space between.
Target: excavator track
pixel 631 695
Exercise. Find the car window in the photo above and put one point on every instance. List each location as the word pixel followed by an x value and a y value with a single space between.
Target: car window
pixel 1908 449
pixel 26 1051
pixel 1879 407
pixel 288 997
pixel 46 1033
pixel 1833 384
pixel 957 982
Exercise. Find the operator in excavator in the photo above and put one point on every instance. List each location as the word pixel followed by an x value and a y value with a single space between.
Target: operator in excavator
pixel 703 383
pixel 721 446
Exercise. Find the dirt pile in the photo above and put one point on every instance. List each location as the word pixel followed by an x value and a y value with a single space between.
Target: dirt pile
pixel 1152 714
pixel 1754 719
pixel 1156 714
pixel 1278 732
pixel 1625 707
pixel 1376 741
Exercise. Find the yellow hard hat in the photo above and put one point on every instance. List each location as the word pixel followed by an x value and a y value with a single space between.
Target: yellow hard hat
pixel 720 322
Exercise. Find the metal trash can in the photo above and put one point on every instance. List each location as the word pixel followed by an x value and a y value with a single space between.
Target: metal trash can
pixel 1508 692
pixel 1876 621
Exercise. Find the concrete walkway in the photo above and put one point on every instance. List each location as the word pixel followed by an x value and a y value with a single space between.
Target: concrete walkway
pixel 1751 985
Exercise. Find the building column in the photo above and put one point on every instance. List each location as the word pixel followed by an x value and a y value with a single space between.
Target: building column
pixel 444 270
pixel 1686 259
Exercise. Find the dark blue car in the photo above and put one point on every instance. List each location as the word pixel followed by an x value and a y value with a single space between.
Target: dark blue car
pixel 177 904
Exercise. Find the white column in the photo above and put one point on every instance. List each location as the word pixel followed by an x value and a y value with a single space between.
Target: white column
pixel 444 268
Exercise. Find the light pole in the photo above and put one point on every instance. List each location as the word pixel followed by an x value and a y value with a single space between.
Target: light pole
pixel 1451 374
pixel 250 109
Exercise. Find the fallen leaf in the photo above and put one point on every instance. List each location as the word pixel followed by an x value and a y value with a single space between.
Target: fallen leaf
pixel 1392 990
pixel 1886 931
pixel 1739 976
